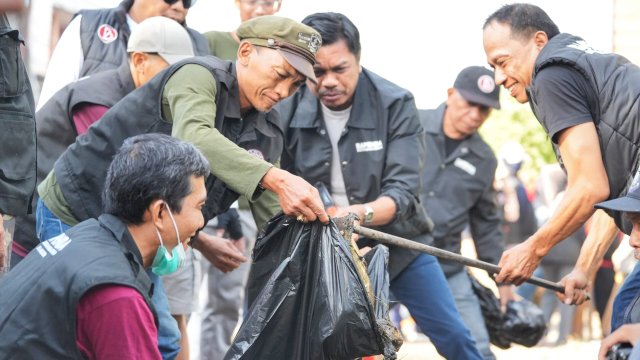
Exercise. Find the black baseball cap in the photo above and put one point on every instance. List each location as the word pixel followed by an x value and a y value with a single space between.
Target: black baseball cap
pixel 627 203
pixel 477 85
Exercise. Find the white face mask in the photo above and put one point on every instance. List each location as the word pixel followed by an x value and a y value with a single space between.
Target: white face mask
pixel 165 263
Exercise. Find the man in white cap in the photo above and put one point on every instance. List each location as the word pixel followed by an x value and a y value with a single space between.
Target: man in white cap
pixel 155 44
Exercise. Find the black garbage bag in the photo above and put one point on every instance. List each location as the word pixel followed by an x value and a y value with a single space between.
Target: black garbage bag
pixel 493 316
pixel 307 298
pixel 523 323
pixel 377 261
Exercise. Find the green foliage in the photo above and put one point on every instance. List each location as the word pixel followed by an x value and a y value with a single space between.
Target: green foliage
pixel 516 122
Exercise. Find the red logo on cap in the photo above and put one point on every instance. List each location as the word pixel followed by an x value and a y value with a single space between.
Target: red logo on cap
pixel 107 33
pixel 486 84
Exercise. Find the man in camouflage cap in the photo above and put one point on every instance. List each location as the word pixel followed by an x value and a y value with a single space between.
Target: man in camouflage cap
pixel 297 43
pixel 217 106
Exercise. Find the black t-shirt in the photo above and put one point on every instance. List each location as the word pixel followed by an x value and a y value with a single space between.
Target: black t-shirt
pixel 565 99
pixel 450 145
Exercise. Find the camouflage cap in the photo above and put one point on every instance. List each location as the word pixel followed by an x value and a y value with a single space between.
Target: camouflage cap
pixel 296 42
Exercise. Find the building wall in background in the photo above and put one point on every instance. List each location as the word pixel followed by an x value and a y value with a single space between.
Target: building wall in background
pixel 626 28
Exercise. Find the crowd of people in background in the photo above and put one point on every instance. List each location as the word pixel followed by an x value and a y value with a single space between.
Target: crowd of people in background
pixel 155 154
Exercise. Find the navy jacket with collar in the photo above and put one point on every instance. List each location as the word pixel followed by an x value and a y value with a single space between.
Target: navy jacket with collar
pixel 458 190
pixel 380 153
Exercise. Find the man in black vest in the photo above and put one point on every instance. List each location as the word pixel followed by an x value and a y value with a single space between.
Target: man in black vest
pixel 587 102
pixel 96 40
pixel 214 104
pixel 85 293
pixel 154 44
pixel 17 138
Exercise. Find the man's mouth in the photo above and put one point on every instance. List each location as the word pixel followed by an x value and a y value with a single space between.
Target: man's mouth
pixel 329 96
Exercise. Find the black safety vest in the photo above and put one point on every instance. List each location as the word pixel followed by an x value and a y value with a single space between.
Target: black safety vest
pixel 17 126
pixel 104 34
pixel 40 296
pixel 616 83
pixel 200 43
pixel 56 130
pixel 141 112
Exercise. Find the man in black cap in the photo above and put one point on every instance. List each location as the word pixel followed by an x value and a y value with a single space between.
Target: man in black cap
pixel 457 187
pixel 629 330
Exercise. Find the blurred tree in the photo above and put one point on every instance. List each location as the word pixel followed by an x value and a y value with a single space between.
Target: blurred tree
pixel 516 122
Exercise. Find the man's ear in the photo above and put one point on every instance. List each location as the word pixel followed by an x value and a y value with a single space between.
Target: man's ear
pixel 156 212
pixel 541 39
pixel 450 92
pixel 244 52
pixel 138 59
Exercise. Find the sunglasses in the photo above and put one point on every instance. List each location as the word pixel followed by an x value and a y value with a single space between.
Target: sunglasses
pixel 186 3
pixel 266 3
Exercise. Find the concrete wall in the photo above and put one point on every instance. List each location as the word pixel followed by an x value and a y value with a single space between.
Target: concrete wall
pixel 626 29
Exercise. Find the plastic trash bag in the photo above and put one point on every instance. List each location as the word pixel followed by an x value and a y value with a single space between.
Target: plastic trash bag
pixel 523 323
pixel 377 261
pixel 493 317
pixel 309 299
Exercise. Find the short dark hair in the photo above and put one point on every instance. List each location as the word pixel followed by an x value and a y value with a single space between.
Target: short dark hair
pixel 334 27
pixel 524 20
pixel 149 167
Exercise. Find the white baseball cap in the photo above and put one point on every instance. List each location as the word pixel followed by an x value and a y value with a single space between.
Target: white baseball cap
pixel 163 36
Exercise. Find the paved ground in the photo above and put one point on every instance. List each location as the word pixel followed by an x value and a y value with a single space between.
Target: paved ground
pixel 423 349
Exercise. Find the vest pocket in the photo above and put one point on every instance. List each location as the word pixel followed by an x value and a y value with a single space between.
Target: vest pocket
pixel 12 72
pixel 17 155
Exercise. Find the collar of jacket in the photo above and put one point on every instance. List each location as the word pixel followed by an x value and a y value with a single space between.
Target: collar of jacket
pixel 121 233
pixel 363 109
pixel 232 107
pixel 125 78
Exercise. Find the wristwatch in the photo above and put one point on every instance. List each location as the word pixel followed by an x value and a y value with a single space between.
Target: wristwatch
pixel 368 215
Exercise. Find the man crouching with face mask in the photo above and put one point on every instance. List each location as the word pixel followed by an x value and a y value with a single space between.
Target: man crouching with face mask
pixel 90 284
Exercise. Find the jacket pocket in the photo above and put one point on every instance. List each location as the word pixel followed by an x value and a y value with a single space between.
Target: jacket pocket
pixel 12 71
pixel 18 150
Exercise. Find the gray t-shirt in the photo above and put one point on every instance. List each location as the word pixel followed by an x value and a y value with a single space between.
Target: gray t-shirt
pixel 335 122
